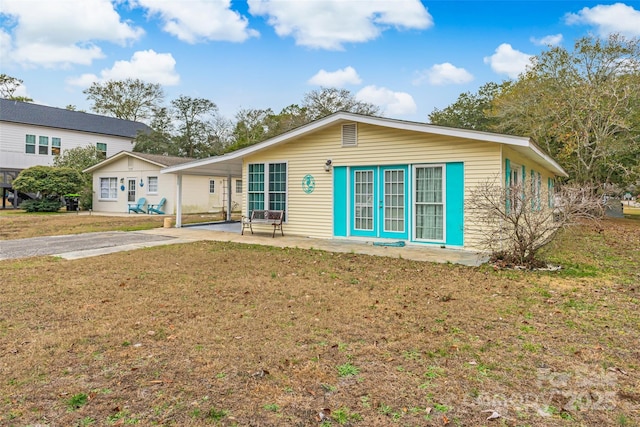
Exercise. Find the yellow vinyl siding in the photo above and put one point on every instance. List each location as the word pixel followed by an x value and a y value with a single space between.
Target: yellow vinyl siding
pixel 312 214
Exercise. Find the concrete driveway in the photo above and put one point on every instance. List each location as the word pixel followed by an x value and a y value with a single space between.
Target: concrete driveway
pixel 94 244
pixel 81 245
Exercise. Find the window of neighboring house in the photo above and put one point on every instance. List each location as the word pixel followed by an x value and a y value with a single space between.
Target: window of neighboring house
pixel 551 192
pixel 43 145
pixel 429 203
pixel 102 147
pixel 212 186
pixel 30 144
pixel 152 184
pixel 108 188
pixel 55 146
pixel 238 186
pixel 267 187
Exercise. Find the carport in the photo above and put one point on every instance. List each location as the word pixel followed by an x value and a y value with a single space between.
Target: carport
pixel 228 165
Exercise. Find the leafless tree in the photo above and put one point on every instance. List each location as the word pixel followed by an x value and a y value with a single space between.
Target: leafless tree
pixel 515 222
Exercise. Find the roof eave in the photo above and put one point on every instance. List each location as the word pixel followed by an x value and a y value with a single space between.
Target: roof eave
pixel 118 156
pixel 516 141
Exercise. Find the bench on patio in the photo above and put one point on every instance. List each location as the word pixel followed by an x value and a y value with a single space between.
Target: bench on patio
pixel 260 216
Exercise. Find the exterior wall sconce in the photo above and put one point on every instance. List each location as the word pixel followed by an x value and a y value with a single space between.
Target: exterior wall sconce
pixel 141 183
pixel 327 165
pixel 121 180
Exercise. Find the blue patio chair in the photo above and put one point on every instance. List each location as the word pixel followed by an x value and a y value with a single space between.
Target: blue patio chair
pixel 157 208
pixel 139 206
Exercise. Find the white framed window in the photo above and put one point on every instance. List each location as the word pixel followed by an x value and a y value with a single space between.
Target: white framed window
pixel 109 188
pixel 30 144
pixel 43 145
pixel 152 184
pixel 535 183
pixel 515 186
pixel 212 186
pixel 363 199
pixel 55 146
pixel 238 186
pixel 102 147
pixel 429 203
pixel 267 186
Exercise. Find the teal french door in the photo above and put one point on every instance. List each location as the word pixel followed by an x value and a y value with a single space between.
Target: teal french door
pixel 379 202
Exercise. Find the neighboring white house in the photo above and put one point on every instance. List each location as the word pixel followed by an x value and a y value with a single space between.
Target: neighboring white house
pixel 127 176
pixel 32 135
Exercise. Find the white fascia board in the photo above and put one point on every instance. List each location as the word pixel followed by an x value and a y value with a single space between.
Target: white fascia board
pixel 238 154
pixel 554 165
pixel 106 161
pixel 440 130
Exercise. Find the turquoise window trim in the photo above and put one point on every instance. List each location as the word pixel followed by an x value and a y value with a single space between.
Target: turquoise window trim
pixel 454 207
pixel 340 201
pixel 507 183
pixel 524 174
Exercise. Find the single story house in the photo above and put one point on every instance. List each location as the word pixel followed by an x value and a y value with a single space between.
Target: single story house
pixel 349 176
pixel 127 176
pixel 33 135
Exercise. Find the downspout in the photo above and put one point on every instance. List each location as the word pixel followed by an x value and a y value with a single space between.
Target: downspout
pixel 229 198
pixel 179 201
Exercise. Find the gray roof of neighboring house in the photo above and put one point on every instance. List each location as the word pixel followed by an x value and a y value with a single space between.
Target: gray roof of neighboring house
pixel 60 118
pixel 162 159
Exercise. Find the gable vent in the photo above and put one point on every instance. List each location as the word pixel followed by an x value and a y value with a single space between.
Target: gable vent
pixel 349 135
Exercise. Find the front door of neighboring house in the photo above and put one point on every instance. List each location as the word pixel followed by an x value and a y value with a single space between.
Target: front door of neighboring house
pixel 378 202
pixel 131 190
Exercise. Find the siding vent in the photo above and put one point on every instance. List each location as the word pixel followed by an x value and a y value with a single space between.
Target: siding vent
pixel 349 135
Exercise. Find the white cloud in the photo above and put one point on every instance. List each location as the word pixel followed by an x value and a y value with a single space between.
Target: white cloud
pixel 5 45
pixel 51 34
pixel 146 65
pixel 614 18
pixel 328 24
pixel 338 78
pixel 392 103
pixel 200 20
pixel 550 40
pixel 507 60
pixel 443 74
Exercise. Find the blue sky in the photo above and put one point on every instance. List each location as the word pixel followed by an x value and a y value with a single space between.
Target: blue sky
pixel 406 56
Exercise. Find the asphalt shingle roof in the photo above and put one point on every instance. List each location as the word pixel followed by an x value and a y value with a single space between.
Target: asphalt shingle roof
pixel 41 115
pixel 164 160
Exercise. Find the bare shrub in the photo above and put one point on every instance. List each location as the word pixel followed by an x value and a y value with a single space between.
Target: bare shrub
pixel 515 222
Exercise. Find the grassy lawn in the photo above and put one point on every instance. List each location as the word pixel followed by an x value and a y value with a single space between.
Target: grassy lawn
pixel 215 333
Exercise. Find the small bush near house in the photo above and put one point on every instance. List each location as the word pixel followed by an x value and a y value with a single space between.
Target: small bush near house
pixel 45 205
